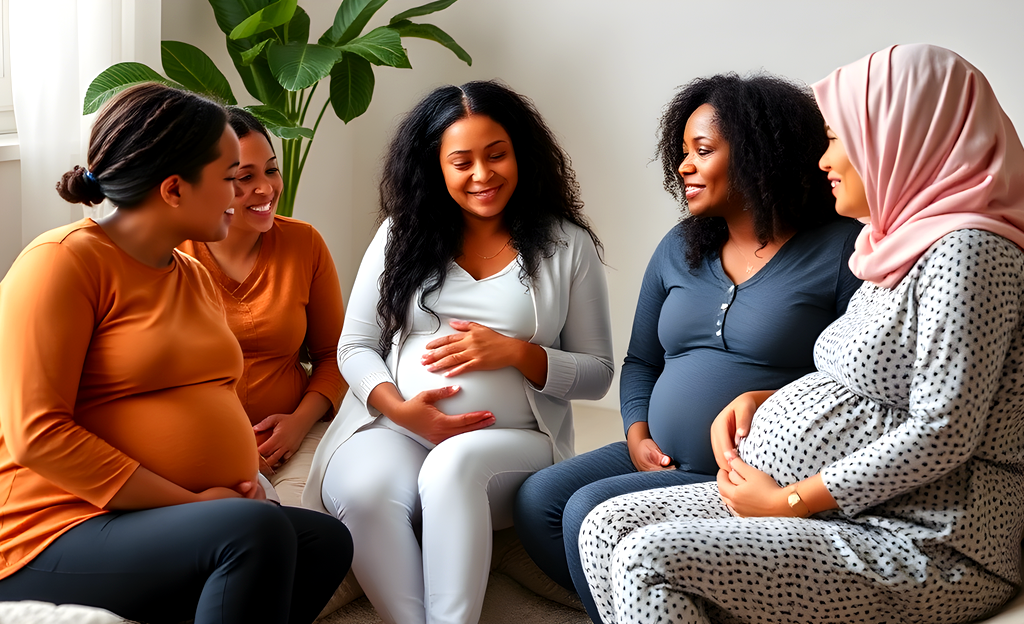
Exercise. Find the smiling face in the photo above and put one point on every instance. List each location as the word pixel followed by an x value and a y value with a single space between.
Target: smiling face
pixel 208 201
pixel 847 186
pixel 259 183
pixel 479 166
pixel 705 166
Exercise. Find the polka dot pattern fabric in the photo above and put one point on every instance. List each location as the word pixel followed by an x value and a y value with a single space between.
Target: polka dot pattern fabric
pixel 915 421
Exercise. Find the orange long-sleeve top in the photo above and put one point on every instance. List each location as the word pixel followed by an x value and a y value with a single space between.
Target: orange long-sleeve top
pixel 107 364
pixel 291 299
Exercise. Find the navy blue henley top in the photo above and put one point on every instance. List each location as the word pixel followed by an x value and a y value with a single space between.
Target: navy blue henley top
pixel 699 341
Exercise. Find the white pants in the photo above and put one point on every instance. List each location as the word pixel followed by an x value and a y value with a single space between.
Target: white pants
pixel 387 488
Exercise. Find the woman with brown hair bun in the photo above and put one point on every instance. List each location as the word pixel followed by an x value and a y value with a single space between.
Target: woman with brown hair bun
pixel 128 468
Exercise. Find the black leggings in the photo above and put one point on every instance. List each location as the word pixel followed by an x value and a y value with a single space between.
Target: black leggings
pixel 231 560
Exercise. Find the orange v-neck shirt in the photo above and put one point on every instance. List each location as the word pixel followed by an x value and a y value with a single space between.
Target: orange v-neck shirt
pixel 291 299
pixel 106 364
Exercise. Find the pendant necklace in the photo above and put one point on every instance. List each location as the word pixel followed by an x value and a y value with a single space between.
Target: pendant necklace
pixel 750 265
pixel 503 249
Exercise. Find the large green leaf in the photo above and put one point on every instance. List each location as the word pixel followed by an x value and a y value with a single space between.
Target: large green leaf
pixel 351 87
pixel 380 46
pixel 259 81
pixel 231 13
pixel 428 31
pixel 250 55
pixel 291 133
pixel 300 65
pixel 192 68
pixel 279 124
pixel 426 9
pixel 298 27
pixel 271 16
pixel 350 20
pixel 116 79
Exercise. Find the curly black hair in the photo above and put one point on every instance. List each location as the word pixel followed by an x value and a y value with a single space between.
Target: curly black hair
pixel 426 229
pixel 775 135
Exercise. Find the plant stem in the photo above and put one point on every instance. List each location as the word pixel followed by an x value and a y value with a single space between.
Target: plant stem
pixel 302 163
pixel 309 99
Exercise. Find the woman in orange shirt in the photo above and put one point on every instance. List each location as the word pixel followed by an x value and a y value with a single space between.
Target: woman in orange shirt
pixel 128 476
pixel 280 289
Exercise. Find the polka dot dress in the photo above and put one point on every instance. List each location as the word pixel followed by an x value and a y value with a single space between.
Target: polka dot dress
pixel 916 424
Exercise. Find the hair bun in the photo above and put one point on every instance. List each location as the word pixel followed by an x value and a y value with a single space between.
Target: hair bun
pixel 79 186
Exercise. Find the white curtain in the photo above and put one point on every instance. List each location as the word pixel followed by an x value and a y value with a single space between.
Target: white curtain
pixel 57 48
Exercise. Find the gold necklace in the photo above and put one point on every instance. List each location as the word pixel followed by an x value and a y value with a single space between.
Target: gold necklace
pixel 496 254
pixel 750 265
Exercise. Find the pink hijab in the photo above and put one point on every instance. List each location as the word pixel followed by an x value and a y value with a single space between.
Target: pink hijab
pixel 935 150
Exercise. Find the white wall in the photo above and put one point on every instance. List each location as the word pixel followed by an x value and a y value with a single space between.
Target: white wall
pixel 600 74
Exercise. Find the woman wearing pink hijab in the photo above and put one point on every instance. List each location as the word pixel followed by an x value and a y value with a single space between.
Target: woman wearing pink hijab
pixel 888 486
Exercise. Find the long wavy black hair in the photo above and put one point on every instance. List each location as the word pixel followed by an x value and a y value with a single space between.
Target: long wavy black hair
pixel 426 227
pixel 776 136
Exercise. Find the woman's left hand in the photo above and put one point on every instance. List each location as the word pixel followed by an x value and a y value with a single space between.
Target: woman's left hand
pixel 473 347
pixel 285 435
pixel 752 493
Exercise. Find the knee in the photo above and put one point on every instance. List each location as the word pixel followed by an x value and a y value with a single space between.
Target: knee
pixel 325 537
pixel 374 499
pixel 540 502
pixel 248 526
pixel 579 505
pixel 453 464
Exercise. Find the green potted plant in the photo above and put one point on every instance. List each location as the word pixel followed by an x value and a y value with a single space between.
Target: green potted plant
pixel 269 45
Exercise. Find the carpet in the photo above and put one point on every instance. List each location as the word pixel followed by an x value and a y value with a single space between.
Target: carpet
pixel 506 602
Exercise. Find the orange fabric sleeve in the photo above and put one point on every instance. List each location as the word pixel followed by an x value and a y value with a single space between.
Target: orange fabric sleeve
pixel 48 308
pixel 324 317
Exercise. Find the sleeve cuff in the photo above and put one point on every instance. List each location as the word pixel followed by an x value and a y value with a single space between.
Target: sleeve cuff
pixel 629 421
pixel 562 372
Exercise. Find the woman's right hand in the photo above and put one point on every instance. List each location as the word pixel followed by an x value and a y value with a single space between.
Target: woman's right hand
pixel 245 489
pixel 420 416
pixel 733 424
pixel 644 452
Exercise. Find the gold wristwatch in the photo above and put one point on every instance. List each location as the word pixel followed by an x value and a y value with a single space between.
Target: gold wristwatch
pixel 796 503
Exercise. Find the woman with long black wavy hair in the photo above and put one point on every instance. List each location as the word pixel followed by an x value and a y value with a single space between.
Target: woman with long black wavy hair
pixel 732 300
pixel 484 273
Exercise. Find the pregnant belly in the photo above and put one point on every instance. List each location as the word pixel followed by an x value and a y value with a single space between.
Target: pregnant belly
pixel 811 423
pixel 501 391
pixel 196 436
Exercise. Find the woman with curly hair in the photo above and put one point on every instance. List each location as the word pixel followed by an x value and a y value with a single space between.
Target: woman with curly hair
pixel 485 273
pixel 732 300
pixel 886 487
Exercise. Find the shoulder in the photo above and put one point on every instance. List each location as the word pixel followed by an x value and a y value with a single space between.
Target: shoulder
pixel 829 242
pixel 671 249
pixel 570 234
pixel 972 250
pixel 964 265
pixel 839 229
pixel 291 230
pixel 83 240
pixel 835 232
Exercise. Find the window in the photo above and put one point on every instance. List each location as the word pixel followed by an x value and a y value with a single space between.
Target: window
pixel 6 97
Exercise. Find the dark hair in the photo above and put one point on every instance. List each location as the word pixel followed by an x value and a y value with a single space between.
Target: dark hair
pixel 776 136
pixel 143 135
pixel 243 122
pixel 427 224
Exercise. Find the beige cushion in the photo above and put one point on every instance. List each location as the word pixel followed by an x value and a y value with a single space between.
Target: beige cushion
pixel 348 591
pixel 507 557
pixel 510 558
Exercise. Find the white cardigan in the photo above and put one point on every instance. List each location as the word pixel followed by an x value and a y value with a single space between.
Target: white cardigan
pixel 570 301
